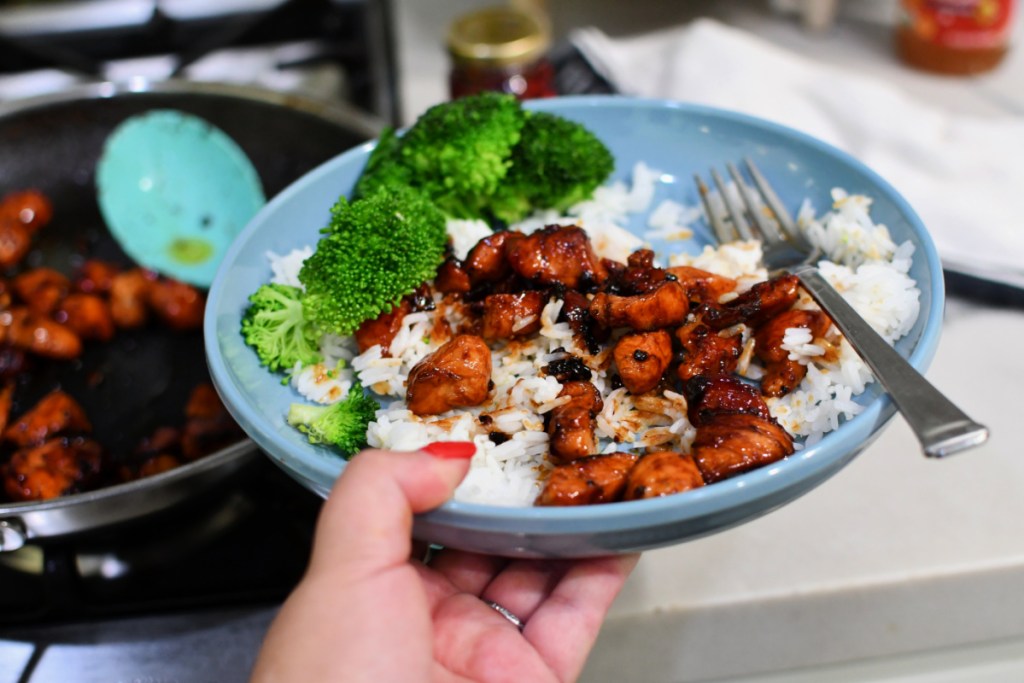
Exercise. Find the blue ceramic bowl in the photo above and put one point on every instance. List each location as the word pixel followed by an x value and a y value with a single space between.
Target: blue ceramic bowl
pixel 678 139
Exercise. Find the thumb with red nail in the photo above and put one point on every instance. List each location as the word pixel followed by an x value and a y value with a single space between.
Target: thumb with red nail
pixel 368 610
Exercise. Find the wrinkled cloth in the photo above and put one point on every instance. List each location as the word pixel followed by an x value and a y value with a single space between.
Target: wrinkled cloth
pixel 964 175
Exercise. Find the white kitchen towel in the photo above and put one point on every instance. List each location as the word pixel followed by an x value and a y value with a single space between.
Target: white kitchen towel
pixel 964 175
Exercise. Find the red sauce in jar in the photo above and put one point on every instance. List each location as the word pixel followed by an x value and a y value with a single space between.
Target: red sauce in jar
pixel 501 49
pixel 956 37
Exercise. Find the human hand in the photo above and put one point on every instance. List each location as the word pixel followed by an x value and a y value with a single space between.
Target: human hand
pixel 369 610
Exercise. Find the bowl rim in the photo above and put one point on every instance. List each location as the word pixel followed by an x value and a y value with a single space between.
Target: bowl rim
pixel 812 462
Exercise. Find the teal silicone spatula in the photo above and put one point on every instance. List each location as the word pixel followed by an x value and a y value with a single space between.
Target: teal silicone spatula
pixel 174 191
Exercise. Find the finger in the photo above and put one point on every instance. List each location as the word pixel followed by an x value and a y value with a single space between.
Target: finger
pixel 524 585
pixel 467 572
pixel 366 524
pixel 564 627
pixel 456 572
pixel 477 643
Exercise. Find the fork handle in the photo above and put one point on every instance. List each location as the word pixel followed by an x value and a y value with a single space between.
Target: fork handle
pixel 941 427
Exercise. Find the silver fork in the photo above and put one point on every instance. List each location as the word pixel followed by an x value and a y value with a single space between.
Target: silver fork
pixel 941 427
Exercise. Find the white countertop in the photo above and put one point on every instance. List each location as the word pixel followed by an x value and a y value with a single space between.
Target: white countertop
pixel 896 554
pixel 897 569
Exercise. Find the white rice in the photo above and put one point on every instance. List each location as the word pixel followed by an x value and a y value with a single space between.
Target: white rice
pixel 465 234
pixel 285 269
pixel 866 267
pixel 671 220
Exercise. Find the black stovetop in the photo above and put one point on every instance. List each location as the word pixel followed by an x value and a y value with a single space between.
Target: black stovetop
pixel 185 595
pixel 245 543
pixel 83 37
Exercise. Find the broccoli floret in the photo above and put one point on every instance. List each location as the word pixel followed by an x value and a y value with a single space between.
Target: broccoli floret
pixel 342 424
pixel 556 164
pixel 457 152
pixel 375 251
pixel 384 168
pixel 276 327
pixel 484 156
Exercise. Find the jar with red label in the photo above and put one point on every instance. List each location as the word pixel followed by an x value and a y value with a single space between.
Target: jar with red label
pixel 502 49
pixel 955 36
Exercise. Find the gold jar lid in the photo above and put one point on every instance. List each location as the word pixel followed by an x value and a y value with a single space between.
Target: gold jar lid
pixel 499 36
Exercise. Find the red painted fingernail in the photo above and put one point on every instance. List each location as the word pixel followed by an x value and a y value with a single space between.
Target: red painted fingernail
pixel 451 450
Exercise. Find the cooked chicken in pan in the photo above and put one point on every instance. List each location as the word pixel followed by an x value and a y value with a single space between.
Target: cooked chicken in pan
pixel 51 318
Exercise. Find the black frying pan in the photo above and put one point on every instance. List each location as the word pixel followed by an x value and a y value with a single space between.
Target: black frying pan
pixel 142 379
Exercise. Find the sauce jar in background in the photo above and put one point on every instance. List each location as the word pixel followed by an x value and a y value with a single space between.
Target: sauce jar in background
pixel 956 37
pixel 502 49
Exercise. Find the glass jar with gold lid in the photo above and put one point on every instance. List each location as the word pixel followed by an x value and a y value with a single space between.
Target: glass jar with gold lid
pixel 502 49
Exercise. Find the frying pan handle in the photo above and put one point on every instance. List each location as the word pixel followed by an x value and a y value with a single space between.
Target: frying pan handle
pixel 12 534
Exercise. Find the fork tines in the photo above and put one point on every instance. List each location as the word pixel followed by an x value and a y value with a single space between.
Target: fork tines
pixel 758 216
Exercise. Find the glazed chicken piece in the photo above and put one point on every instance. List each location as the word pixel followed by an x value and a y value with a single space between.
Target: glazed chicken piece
pixel 30 208
pixel 782 375
pixel 452 278
pixel 15 242
pixel 576 312
pixel 158 452
pixel 95 277
pixel 556 255
pixel 55 413
pixel 421 299
pixel 661 474
pixel 51 469
pixel 486 261
pixel 457 375
pixel 702 286
pixel 736 442
pixel 642 359
pixel 129 291
pixel 87 315
pixel 6 402
pixel 568 369
pixel 164 439
pixel 711 396
pixel 758 304
pixel 21 214
pixel 571 425
pixel 587 481
pixel 179 305
pixel 512 315
pixel 204 403
pixel 735 432
pixel 39 334
pixel 706 352
pixel 382 329
pixel 157 464
pixel 638 277
pixel 41 289
pixel 666 306
pixel 208 425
